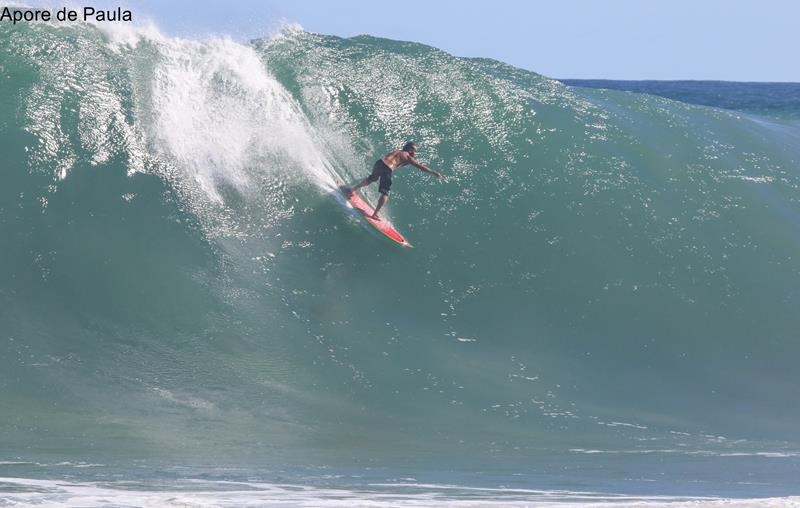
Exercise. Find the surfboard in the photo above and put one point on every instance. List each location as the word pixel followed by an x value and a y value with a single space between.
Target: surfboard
pixel 383 225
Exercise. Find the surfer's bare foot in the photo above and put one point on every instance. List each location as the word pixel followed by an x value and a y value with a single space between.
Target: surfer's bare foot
pixel 377 217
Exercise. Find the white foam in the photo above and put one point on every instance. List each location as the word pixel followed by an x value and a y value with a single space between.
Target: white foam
pixel 221 118
pixel 692 452
pixel 186 401
pixel 753 179
pixel 207 116
pixel 196 493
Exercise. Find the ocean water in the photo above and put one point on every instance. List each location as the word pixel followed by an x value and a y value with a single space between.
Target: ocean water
pixel 600 308
pixel 781 100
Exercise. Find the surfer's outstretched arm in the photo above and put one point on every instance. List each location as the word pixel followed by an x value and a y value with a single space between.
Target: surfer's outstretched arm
pixel 423 167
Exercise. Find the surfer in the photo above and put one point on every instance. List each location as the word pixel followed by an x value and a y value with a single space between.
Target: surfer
pixel 384 168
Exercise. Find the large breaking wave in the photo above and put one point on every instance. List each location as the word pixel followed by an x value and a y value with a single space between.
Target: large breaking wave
pixel 602 272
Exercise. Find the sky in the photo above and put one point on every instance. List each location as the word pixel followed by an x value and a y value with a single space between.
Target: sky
pixel 731 40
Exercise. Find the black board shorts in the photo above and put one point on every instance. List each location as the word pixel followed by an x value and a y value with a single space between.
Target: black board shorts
pixel 382 171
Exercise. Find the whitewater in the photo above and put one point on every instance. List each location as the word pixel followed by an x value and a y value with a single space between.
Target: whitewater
pixel 601 306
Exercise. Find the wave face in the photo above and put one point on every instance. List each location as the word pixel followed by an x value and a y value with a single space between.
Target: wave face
pixel 604 277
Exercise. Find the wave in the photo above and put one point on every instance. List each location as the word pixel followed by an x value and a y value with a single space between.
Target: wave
pixel 179 278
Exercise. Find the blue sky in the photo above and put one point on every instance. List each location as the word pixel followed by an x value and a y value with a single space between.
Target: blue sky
pixel 736 40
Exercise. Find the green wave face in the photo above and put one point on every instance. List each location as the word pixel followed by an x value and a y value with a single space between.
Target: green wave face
pixel 600 271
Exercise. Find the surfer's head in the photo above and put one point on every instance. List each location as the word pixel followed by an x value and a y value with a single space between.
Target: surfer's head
pixel 410 147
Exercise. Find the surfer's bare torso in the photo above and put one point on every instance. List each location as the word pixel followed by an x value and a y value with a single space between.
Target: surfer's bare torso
pixel 397 158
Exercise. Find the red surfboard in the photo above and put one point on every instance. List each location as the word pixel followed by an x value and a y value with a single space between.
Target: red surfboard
pixel 383 225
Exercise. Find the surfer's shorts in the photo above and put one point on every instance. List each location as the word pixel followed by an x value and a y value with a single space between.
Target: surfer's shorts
pixel 382 171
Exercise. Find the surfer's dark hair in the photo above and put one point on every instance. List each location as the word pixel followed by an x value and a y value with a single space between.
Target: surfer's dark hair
pixel 408 146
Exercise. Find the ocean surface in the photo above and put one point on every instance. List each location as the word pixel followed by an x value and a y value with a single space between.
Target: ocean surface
pixel 778 100
pixel 601 306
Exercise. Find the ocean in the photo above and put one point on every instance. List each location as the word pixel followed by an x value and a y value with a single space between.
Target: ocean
pixel 600 308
